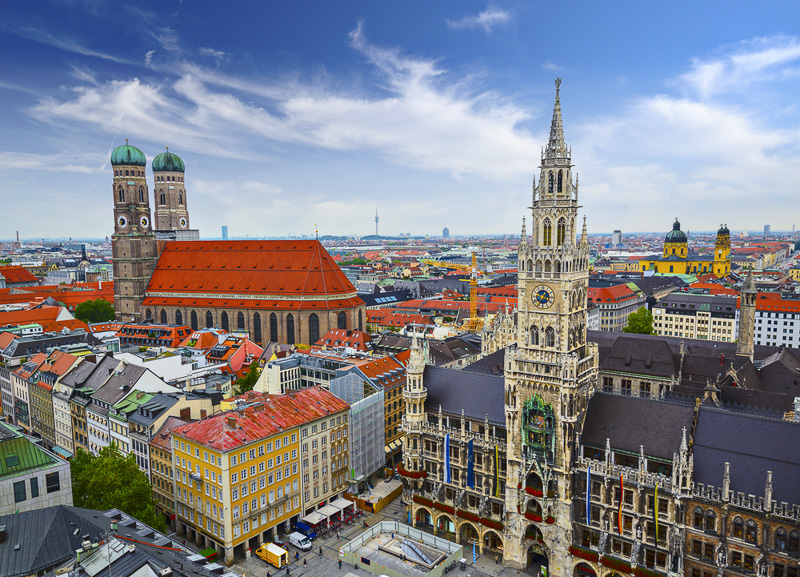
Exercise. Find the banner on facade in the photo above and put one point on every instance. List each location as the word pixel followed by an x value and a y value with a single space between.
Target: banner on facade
pixel 447 458
pixel 471 465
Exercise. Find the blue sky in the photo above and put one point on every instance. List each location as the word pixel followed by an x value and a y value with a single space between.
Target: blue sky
pixel 295 114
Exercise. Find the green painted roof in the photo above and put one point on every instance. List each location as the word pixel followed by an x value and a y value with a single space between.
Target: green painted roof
pixel 128 155
pixel 168 162
pixel 676 234
pixel 19 454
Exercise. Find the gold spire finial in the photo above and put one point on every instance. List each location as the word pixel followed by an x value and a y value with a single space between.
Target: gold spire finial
pixel 558 82
pixel 126 141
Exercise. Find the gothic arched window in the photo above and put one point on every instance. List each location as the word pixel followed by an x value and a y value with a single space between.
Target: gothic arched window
pixel 561 232
pixel 209 319
pixel 534 335
pixel 193 320
pixel 341 321
pixel 751 532
pixel 257 327
pixel 313 328
pixel 273 328
pixel 148 314
pixel 738 528
pixel 560 180
pixel 121 194
pixel 290 329
pixel 178 317
pixel 223 321
pixel 549 337
pixel 711 520
pixel 550 183
pixel 360 321
pixel 142 199
pixel 240 321
pixel 180 198
pixel 163 317
pixel 547 237
pixel 162 199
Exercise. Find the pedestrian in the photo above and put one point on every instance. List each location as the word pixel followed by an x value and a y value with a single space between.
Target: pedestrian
pixel 287 571
pixel 340 564
pixel 337 533
pixel 320 551
pixel 297 556
pixel 269 574
pixel 305 564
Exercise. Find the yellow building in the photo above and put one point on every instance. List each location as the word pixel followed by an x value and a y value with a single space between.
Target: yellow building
pixel 794 273
pixel 238 473
pixel 677 260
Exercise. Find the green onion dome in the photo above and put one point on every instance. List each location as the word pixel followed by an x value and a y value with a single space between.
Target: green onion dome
pixel 676 234
pixel 128 155
pixel 168 162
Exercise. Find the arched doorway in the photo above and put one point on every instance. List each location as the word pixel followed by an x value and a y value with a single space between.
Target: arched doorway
pixel 537 561
pixel 492 542
pixel 444 524
pixel 424 517
pixel 583 570
pixel 468 534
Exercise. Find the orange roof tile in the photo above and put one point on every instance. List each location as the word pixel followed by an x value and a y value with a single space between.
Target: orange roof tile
pixel 45 316
pixel 17 274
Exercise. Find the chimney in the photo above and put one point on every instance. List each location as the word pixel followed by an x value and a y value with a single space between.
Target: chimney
pixel 186 413
pixel 203 413
pixel 231 422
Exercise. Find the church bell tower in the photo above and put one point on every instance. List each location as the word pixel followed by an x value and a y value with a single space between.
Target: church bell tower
pixel 551 373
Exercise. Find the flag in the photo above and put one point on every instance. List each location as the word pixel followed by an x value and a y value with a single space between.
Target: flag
pixel 496 472
pixel 655 511
pixel 447 458
pixel 619 511
pixel 471 465
pixel 474 553
pixel 589 495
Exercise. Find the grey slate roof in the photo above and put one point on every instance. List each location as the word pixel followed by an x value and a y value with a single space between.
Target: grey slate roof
pixel 477 394
pixel 152 410
pixel 752 446
pixel 630 421
pixel 630 354
pixel 119 384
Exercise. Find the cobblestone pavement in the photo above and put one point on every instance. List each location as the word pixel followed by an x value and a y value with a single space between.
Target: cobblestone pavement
pixel 327 564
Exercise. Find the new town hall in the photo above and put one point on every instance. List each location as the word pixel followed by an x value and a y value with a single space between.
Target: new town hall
pixel 604 454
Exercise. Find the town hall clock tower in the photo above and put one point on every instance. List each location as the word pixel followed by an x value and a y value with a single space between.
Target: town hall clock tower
pixel 551 373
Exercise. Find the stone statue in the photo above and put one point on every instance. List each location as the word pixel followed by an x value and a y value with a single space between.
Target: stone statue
pixel 722 556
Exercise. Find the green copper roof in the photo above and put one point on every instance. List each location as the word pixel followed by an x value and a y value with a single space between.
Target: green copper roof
pixel 676 234
pixel 128 155
pixel 168 162
pixel 18 454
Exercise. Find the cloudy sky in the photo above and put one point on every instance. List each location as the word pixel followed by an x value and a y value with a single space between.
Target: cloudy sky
pixel 291 114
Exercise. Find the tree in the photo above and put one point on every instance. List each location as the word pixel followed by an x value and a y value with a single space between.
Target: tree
pixel 247 382
pixel 640 322
pixel 96 311
pixel 113 480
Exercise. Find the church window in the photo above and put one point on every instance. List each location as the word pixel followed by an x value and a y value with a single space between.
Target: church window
pixel 178 317
pixel 273 328
pixel 257 327
pixel 562 231
pixel 711 521
pixel 162 199
pixel 313 328
pixel 549 337
pixel 794 542
pixel 141 195
pixel 560 180
pixel 193 321
pixel 209 319
pixel 360 321
pixel 341 321
pixel 780 539
pixel 738 528
pixel 240 321
pixel 534 335
pixel 751 532
pixel 290 329
pixel 148 314
pixel 126 173
pixel 223 320
pixel 180 198
pixel 550 183
pixel 548 233
pixel 121 194
pixel 163 317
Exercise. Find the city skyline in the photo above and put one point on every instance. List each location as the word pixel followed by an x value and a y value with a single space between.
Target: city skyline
pixel 418 109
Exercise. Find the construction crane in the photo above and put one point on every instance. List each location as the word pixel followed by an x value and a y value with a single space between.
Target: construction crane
pixel 475 323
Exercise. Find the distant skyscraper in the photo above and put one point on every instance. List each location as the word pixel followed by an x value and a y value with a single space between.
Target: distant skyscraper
pixel 616 239
pixel 376 221
pixel 224 233
pixel 445 232
pixel 767 230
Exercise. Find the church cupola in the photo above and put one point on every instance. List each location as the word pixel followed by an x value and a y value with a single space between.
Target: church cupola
pixel 676 242
pixel 171 206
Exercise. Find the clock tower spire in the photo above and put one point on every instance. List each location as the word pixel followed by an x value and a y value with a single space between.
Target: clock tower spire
pixel 552 372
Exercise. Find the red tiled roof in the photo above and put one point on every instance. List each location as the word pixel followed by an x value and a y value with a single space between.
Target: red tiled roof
pixel 270 415
pixel 189 271
pixel 715 289
pixel 345 338
pixel 163 438
pixel 6 339
pixel 614 293
pixel 775 302
pixel 375 368
pixel 45 316
pixel 17 274
pixel 69 295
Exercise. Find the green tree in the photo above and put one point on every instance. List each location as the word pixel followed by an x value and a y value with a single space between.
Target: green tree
pixel 247 382
pixel 640 322
pixel 96 311
pixel 113 480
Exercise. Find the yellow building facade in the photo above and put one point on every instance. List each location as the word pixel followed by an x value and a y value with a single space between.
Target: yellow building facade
pixel 676 259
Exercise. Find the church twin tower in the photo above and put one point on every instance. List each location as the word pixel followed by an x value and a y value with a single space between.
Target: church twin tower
pixel 136 236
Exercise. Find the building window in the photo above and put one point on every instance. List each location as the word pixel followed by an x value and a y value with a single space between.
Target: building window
pixel 290 329
pixel 193 320
pixel 178 317
pixel 142 197
pixel 19 492
pixel 341 321
pixel 180 198
pixel 273 328
pixel 257 327
pixel 34 487
pixel 121 194
pixel 53 483
pixel 360 321
pixel 163 317
pixel 209 319
pixel 738 528
pixel 751 532
pixel 549 337
pixel 625 387
pixel 608 385
pixel 562 225
pixel 547 227
pixel 162 199
pixel 224 321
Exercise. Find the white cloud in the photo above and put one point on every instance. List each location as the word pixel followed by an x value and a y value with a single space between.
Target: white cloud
pixel 487 20
pixel 551 66
pixel 62 43
pixel 167 38
pixel 218 55
pixel 148 57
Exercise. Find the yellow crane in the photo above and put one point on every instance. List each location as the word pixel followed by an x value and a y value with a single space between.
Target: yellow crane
pixel 475 323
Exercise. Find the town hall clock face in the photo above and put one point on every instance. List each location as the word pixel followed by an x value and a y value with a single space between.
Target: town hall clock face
pixel 543 296
pixel 122 222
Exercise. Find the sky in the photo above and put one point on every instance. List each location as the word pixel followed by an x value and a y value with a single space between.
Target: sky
pixel 295 116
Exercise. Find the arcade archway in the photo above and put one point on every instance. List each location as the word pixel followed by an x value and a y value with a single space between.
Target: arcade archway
pixel 583 570
pixel 537 560
pixel 468 534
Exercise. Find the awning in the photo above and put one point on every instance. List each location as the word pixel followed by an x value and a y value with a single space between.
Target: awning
pixel 341 503
pixel 63 452
pixel 328 510
pixel 313 518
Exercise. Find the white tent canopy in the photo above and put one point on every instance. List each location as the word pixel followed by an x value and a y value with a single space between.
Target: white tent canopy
pixel 328 510
pixel 313 518
pixel 341 503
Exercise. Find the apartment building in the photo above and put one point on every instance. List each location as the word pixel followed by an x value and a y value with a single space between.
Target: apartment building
pixel 777 320
pixel 616 303
pixel 696 316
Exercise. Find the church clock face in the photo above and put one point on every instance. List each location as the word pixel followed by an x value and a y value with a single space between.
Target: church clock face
pixel 144 222
pixel 182 222
pixel 543 296
pixel 122 222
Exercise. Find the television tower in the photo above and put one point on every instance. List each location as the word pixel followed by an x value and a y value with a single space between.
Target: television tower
pixel 376 221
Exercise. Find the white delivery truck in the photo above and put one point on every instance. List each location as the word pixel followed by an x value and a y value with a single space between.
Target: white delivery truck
pixel 300 541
